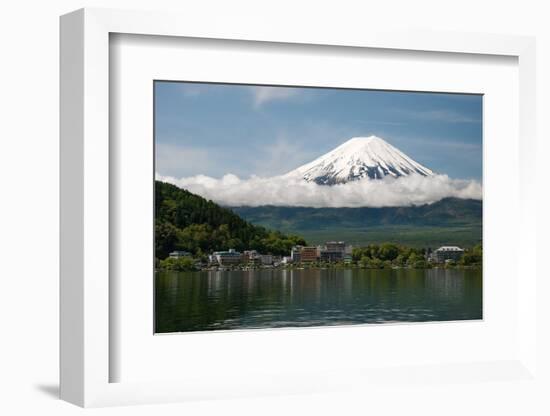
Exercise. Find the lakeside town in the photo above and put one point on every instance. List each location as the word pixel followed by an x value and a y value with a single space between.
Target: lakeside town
pixel 331 254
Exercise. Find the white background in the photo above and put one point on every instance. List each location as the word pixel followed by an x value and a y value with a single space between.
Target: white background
pixel 29 225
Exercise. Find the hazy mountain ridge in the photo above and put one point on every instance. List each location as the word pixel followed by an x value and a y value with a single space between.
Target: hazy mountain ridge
pixel 448 211
pixel 450 221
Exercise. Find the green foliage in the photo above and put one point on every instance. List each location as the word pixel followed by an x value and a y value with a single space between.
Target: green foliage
pixel 400 260
pixel 412 259
pixel 372 263
pixel 388 251
pixel 477 250
pixel 450 264
pixel 421 264
pixel 166 237
pixel 473 257
pixel 375 263
pixel 182 264
pixel 371 251
pixel 184 221
pixel 356 254
pixel 387 255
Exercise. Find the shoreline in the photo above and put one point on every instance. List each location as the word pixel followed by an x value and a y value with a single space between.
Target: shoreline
pixel 334 267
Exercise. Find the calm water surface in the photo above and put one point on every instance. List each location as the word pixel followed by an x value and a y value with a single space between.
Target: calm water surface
pixel 197 301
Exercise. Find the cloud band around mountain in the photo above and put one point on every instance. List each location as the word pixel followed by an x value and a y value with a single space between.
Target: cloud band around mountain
pixel 231 190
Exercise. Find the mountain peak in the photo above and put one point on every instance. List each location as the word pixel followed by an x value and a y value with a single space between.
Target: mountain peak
pixel 365 139
pixel 359 158
pixel 364 144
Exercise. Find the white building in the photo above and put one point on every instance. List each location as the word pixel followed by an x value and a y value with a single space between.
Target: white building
pixel 226 258
pixel 286 260
pixel 177 254
pixel 295 254
pixel 444 253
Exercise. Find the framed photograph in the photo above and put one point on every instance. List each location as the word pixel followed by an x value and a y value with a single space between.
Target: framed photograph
pixel 282 212
pixel 303 215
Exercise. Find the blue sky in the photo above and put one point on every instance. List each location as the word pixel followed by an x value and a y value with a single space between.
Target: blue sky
pixel 215 129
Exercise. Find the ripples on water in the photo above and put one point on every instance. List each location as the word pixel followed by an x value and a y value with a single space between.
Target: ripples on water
pixel 196 301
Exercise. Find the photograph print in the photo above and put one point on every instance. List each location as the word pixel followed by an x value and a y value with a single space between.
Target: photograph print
pixel 279 207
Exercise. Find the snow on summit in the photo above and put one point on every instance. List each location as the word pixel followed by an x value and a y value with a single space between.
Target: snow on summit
pixel 359 158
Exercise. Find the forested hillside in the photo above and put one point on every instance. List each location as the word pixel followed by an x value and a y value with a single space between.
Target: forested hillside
pixel 184 221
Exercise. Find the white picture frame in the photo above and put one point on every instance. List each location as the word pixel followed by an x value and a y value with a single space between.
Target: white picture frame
pixel 85 353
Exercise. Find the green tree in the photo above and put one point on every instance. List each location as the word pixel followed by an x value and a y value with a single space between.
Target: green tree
pixel 357 253
pixel 166 237
pixel 182 264
pixel 375 263
pixel 412 259
pixel 372 250
pixel 388 251
pixel 400 260
pixel 420 263
pixel 473 256
pixel 364 262
pixel 477 250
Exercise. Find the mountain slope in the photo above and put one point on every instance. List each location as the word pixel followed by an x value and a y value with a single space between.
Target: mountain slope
pixel 359 158
pixel 450 220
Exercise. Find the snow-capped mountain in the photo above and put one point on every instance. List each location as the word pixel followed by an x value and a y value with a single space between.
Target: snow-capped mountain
pixel 359 158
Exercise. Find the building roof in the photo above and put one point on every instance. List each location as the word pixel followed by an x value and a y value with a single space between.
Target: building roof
pixel 449 248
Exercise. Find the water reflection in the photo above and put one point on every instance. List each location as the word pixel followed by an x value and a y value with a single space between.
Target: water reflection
pixel 279 298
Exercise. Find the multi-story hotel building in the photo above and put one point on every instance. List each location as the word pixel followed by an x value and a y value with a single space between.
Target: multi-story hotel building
pixel 335 246
pixel 309 254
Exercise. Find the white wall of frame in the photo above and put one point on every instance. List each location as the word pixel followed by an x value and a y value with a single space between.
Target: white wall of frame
pixel 138 60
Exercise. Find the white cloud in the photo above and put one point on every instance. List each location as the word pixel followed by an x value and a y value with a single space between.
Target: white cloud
pixel 263 95
pixel 230 190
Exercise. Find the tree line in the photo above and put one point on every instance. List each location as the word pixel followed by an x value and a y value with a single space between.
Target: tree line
pixel 387 255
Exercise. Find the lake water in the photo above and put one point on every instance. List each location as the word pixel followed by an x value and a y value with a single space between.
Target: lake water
pixel 197 301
